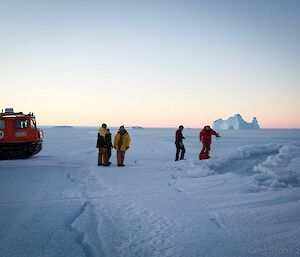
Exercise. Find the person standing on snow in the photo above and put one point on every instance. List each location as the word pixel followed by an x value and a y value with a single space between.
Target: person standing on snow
pixel 102 146
pixel 109 145
pixel 121 144
pixel 180 149
pixel 205 138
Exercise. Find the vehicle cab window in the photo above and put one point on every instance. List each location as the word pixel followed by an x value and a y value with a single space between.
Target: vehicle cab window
pixel 2 124
pixel 33 124
pixel 21 124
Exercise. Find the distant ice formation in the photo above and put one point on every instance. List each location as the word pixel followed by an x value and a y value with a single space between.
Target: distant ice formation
pixel 137 127
pixel 235 122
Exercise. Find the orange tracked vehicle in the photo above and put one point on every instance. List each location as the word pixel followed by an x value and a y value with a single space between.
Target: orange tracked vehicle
pixel 19 136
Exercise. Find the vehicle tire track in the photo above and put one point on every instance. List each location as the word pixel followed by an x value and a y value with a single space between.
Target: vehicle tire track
pixel 136 231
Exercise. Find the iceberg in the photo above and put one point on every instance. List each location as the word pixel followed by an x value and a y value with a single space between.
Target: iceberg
pixel 137 127
pixel 235 122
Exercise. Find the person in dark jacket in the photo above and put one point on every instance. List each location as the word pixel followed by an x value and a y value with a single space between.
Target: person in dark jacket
pixel 205 137
pixel 102 146
pixel 180 149
pixel 109 145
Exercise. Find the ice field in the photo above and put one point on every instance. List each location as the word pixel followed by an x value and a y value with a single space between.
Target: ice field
pixel 244 201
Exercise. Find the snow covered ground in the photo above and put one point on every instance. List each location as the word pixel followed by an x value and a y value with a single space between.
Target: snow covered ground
pixel 244 201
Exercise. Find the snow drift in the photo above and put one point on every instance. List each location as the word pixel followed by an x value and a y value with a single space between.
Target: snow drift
pixel 281 169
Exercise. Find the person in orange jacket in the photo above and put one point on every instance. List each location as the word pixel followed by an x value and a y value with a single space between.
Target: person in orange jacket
pixel 121 144
pixel 205 137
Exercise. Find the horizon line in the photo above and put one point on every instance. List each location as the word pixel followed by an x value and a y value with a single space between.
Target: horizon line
pixel 154 127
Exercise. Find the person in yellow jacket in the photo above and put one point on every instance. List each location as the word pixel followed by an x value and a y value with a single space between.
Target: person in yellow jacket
pixel 102 146
pixel 121 144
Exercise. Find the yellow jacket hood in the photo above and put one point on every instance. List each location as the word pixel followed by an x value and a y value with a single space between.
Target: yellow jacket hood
pixel 102 132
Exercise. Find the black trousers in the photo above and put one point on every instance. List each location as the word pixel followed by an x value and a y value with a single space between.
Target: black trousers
pixel 108 153
pixel 205 148
pixel 180 150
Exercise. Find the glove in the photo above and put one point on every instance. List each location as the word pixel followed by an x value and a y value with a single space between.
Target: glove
pixel 127 147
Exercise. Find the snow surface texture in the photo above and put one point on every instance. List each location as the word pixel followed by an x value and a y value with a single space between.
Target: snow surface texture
pixel 244 201
pixel 235 122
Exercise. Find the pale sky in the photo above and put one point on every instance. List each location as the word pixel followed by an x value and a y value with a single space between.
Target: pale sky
pixel 151 63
